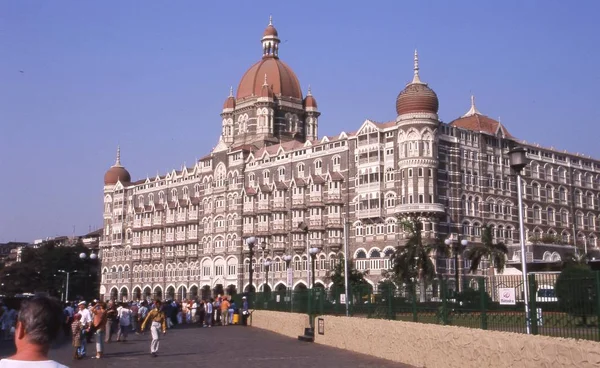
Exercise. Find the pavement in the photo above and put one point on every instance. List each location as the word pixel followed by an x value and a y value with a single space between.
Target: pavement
pixel 233 346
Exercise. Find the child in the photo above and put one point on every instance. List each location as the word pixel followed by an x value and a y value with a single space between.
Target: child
pixel 76 330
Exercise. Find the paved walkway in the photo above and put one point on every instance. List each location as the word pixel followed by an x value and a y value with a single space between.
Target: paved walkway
pixel 231 346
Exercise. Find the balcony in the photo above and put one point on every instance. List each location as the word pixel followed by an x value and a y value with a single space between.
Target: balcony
pixel 368 213
pixel 180 254
pixel 279 246
pixel 147 222
pixel 248 207
pixel 192 235
pixel 248 228
pixel 156 256
pixel 278 226
pixel 263 227
pixel 369 187
pixel 156 239
pixel 136 257
pixel 170 237
pixel 146 256
pixel 334 197
pixel 316 199
pixel 317 243
pixel 105 243
pixel 137 223
pixel 146 240
pixel 181 217
pixel 157 220
pixel 315 223
pixel 220 229
pixel 298 201
pixel 278 205
pixel 170 219
pixel 137 241
pixel 170 255
pixel 421 208
pixel 193 216
pixel 180 236
pixel 334 222
pixel 264 206
pixel 299 245
pixel 192 253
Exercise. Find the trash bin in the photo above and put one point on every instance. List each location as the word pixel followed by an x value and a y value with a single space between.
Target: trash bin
pixel 236 318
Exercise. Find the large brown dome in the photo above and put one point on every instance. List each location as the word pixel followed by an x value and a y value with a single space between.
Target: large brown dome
pixel 115 174
pixel 417 97
pixel 281 78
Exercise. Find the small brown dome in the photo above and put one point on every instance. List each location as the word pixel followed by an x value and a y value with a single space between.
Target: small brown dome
pixel 270 31
pixel 309 100
pixel 115 174
pixel 417 97
pixel 229 103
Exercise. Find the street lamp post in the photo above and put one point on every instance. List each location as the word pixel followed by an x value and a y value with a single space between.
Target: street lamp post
pixel 518 161
pixel 302 226
pixel 288 260
pixel 456 248
pixel 266 264
pixel 251 241
pixel 67 284
pixel 313 254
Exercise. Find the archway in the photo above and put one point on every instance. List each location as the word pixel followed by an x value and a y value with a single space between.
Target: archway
pixel 218 290
pixel 205 292
pixel 124 294
pixel 170 293
pixel 137 293
pixel 247 289
pixel 158 293
pixel 182 293
pixel 280 288
pixel 265 288
pixel 231 290
pixel 147 293
pixel 300 287
pixel 114 294
pixel 194 292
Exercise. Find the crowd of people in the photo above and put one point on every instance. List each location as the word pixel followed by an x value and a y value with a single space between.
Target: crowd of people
pixel 100 321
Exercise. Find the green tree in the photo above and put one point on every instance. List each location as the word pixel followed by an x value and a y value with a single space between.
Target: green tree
pixel 496 252
pixel 576 291
pixel 412 262
pixel 356 279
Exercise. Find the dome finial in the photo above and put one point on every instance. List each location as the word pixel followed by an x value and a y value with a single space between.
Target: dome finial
pixel 416 78
pixel 309 93
pixel 265 82
pixel 230 91
pixel 473 110
pixel 118 162
pixel 270 20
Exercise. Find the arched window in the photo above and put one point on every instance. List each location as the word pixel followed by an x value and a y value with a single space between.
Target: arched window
pixel 300 169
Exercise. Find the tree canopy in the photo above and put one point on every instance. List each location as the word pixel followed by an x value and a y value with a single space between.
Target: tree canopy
pixel 39 271
pixel 496 252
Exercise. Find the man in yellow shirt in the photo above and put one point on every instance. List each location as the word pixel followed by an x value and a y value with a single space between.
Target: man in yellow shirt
pixel 158 319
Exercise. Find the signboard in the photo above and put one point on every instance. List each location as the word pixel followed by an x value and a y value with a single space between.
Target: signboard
pixel 102 290
pixel 290 277
pixel 507 296
pixel 342 298
pixel 277 298
pixel 321 326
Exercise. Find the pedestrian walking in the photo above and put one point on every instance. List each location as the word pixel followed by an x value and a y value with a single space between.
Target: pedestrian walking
pixel 99 327
pixel 124 322
pixel 158 320
pixel 76 335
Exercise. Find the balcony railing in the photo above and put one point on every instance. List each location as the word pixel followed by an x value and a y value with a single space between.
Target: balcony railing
pixel 315 243
pixel 137 241
pixel 146 239
pixel 298 200
pixel 193 215
pixel 315 223
pixel 157 220
pixel 278 226
pixel 181 217
pixel 278 204
pixel 170 237
pixel 170 219
pixel 180 236
pixel 334 222
pixel 170 255
pixel 180 253
pixel 156 255
pixel 156 239
pixel 192 253
pixel 368 213
pixel 263 206
pixel 147 222
pixel 137 223
pixel 136 257
pixel 146 256
pixel 192 235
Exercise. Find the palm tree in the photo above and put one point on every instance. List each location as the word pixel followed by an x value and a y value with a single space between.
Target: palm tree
pixel 496 252
pixel 412 261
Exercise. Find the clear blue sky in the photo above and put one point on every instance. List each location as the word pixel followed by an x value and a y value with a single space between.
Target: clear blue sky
pixel 79 77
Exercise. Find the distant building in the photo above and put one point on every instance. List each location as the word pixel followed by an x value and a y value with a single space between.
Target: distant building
pixel 9 251
pixel 183 233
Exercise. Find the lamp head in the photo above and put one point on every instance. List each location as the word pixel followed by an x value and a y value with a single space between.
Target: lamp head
pixel 263 245
pixel 82 255
pixel 518 158
pixel 464 242
pixel 267 263
pixel 448 241
pixel 287 258
pixel 93 256
pixel 313 251
pixel 250 242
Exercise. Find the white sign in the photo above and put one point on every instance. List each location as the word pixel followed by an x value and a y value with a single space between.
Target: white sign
pixel 277 298
pixel 342 298
pixel 507 296
pixel 102 289
pixel 290 277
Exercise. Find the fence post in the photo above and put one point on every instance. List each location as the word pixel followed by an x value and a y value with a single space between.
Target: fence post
pixel 533 321
pixel 598 302
pixel 484 306
pixel 390 308
pixel 414 301
pixel 444 296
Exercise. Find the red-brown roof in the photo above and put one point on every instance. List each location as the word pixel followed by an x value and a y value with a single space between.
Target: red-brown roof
pixel 417 97
pixel 281 78
pixel 481 123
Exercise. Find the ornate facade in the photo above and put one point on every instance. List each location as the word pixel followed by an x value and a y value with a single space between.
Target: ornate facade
pixel 183 234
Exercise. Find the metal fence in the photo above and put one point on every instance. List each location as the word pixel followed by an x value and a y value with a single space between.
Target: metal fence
pixel 569 308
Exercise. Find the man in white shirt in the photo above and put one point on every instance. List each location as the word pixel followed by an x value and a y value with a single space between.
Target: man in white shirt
pixel 38 325
pixel 86 322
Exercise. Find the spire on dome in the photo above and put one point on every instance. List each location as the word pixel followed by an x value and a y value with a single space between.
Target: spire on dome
pixel 265 82
pixel 473 110
pixel 231 91
pixel 118 161
pixel 309 93
pixel 270 41
pixel 416 78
